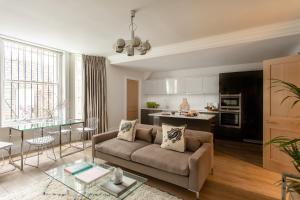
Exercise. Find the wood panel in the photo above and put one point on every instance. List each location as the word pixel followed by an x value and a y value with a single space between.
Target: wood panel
pixel 279 118
pixel 132 99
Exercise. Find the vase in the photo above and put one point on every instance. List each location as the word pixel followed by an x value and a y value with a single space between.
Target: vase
pixel 117 176
pixel 184 106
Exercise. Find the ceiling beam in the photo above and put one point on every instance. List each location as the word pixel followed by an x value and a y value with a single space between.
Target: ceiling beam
pixel 239 37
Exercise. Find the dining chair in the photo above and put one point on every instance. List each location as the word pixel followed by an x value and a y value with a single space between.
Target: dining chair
pixel 41 142
pixel 65 133
pixel 5 146
pixel 87 131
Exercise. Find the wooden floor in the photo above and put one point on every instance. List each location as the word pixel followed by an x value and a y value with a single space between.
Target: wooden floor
pixel 238 175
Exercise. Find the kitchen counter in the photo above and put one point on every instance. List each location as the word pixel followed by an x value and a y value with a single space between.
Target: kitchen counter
pixel 177 115
pixel 202 122
pixel 169 110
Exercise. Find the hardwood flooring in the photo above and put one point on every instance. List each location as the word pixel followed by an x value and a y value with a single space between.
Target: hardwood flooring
pixel 238 175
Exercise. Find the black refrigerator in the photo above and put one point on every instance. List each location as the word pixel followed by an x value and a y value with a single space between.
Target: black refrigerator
pixel 250 85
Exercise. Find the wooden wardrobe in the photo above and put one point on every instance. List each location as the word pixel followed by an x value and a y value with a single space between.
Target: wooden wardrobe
pixel 280 119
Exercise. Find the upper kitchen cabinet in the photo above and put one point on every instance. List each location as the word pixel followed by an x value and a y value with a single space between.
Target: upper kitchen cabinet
pixel 175 86
pixel 194 85
pixel 191 85
pixel 171 86
pixel 154 87
pixel 147 87
pixel 210 85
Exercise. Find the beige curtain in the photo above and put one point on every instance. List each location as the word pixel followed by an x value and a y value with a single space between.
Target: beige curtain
pixel 95 94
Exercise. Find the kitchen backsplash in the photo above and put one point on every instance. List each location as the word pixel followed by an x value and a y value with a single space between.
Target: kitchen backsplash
pixel 197 102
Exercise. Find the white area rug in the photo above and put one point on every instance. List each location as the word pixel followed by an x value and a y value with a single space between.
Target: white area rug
pixel 57 191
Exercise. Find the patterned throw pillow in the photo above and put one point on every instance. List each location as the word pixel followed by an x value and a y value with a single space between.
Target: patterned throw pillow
pixel 127 130
pixel 173 138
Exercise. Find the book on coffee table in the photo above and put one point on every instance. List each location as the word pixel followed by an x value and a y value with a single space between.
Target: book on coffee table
pixel 118 190
pixel 92 174
pixel 76 168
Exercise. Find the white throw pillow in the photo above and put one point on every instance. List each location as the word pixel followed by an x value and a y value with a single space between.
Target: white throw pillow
pixel 127 130
pixel 173 138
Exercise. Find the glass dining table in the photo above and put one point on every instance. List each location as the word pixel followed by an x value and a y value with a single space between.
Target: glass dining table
pixel 23 127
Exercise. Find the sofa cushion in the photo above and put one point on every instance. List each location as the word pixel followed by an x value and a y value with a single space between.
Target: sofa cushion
pixel 147 126
pixel 193 140
pixel 173 138
pixel 127 130
pixel 158 137
pixel 120 148
pixel 163 159
pixel 144 134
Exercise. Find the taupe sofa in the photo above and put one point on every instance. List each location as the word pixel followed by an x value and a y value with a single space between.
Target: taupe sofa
pixel 189 169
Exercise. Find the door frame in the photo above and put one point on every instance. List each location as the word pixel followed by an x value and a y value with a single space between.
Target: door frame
pixel 139 96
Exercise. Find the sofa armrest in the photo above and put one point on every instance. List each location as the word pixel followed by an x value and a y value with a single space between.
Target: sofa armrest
pixel 200 166
pixel 104 136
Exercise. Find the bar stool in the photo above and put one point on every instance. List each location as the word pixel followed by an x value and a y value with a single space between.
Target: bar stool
pixel 41 143
pixel 5 146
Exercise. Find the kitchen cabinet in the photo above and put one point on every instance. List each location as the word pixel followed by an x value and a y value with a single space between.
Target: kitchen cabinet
pixel 154 87
pixel 250 85
pixel 147 87
pixel 175 86
pixel 171 86
pixel 181 86
pixel 210 85
pixel 145 118
pixel 194 85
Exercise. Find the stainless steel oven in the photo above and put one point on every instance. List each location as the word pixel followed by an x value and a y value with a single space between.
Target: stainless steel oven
pixel 230 110
pixel 231 119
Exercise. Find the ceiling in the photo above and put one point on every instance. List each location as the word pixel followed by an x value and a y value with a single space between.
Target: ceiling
pixel 92 26
pixel 253 52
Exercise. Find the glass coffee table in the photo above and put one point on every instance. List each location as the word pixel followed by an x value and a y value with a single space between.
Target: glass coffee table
pixel 93 190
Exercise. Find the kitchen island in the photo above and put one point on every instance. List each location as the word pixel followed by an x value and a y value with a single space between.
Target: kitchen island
pixel 201 122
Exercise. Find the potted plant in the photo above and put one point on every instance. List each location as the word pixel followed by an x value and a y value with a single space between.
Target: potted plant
pixel 289 146
pixel 152 104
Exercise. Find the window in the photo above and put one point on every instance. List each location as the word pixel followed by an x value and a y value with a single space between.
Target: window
pixel 78 87
pixel 30 82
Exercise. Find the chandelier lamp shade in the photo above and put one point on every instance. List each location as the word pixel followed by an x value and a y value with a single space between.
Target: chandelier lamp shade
pixel 134 44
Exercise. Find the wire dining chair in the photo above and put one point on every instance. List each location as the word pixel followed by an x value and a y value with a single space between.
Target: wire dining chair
pixel 41 142
pixel 5 146
pixel 87 131
pixel 65 133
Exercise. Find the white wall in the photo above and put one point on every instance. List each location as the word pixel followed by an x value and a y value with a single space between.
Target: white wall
pixel 116 92
pixel 197 102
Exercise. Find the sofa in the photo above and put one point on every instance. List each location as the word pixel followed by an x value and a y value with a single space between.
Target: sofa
pixel 188 170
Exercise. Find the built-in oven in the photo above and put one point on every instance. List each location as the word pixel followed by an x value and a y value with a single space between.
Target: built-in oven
pixel 230 110
pixel 231 119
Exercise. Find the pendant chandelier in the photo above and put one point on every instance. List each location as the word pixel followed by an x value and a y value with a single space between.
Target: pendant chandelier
pixel 134 43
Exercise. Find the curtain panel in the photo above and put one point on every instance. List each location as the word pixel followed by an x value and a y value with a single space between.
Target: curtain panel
pixel 95 92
